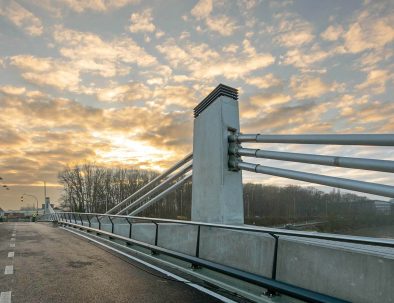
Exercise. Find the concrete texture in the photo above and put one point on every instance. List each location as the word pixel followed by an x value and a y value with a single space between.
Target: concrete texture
pixel 357 273
pixel 52 265
pixel 217 192
pixel 248 251
pixel 178 237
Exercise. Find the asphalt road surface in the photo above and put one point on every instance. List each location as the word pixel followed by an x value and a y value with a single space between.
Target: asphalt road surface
pixel 52 265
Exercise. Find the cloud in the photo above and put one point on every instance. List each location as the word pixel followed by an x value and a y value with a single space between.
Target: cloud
pixel 332 33
pixel 96 5
pixel 203 62
pixel 376 81
pixel 202 9
pixel 349 104
pixel 142 22
pixel 230 48
pixel 46 71
pixel 89 47
pixel 305 87
pixel 182 96
pixel 300 118
pixel 12 90
pixel 269 99
pixel 266 81
pixel 307 59
pixel 293 31
pixel 124 93
pixel 23 18
pixel 82 52
pixel 369 33
pixel 221 24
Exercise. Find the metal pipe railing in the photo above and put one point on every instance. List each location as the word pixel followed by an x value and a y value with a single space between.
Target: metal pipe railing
pixel 157 188
pixel 272 285
pixel 348 162
pixel 361 186
pixel 162 194
pixel 154 181
pixel 265 230
pixel 359 139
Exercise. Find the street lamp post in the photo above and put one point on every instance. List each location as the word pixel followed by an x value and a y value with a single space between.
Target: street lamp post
pixel 34 198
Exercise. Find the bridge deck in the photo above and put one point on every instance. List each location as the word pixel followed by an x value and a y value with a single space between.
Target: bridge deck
pixel 52 265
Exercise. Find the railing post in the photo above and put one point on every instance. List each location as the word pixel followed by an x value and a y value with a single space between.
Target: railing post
pixel 195 266
pixel 99 222
pixel 198 242
pixel 217 191
pixel 87 217
pixel 130 228
pixel 80 218
pixel 156 237
pixel 112 223
pixel 271 292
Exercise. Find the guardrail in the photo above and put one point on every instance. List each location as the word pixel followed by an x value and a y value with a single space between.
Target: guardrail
pixel 85 220
pixel 236 151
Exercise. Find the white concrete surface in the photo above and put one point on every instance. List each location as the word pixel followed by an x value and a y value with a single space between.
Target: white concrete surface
pixel 217 192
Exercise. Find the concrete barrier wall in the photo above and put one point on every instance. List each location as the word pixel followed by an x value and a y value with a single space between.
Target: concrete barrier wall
pixel 248 251
pixel 358 273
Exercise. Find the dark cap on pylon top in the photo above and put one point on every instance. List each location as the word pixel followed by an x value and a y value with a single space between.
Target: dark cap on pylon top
pixel 220 90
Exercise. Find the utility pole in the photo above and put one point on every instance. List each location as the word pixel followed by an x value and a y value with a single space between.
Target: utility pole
pixel 45 190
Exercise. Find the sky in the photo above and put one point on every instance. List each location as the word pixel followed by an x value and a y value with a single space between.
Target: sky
pixel 114 82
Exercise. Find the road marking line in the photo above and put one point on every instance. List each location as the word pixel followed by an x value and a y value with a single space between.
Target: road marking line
pixel 12 239
pixel 5 297
pixel 13 235
pixel 9 270
pixel 11 254
pixel 167 273
pixel 12 244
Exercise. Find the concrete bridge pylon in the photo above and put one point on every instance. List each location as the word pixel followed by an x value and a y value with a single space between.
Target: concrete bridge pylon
pixel 217 195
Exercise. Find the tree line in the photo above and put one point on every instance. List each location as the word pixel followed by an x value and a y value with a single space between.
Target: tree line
pixel 90 188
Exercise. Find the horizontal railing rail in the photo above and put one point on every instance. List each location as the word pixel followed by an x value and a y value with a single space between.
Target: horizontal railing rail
pixel 266 230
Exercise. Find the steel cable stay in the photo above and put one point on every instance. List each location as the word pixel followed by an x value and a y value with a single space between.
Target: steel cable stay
pixel 236 151
pixel 156 182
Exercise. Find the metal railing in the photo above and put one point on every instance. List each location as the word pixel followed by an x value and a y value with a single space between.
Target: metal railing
pixel 236 151
pixel 85 221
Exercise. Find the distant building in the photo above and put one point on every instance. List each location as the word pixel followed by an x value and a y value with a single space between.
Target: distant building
pixel 1 212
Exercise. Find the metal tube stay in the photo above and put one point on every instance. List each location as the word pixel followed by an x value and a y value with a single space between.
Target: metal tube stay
pixel 354 139
pixel 235 151
pixel 154 181
pixel 155 190
pixel 348 162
